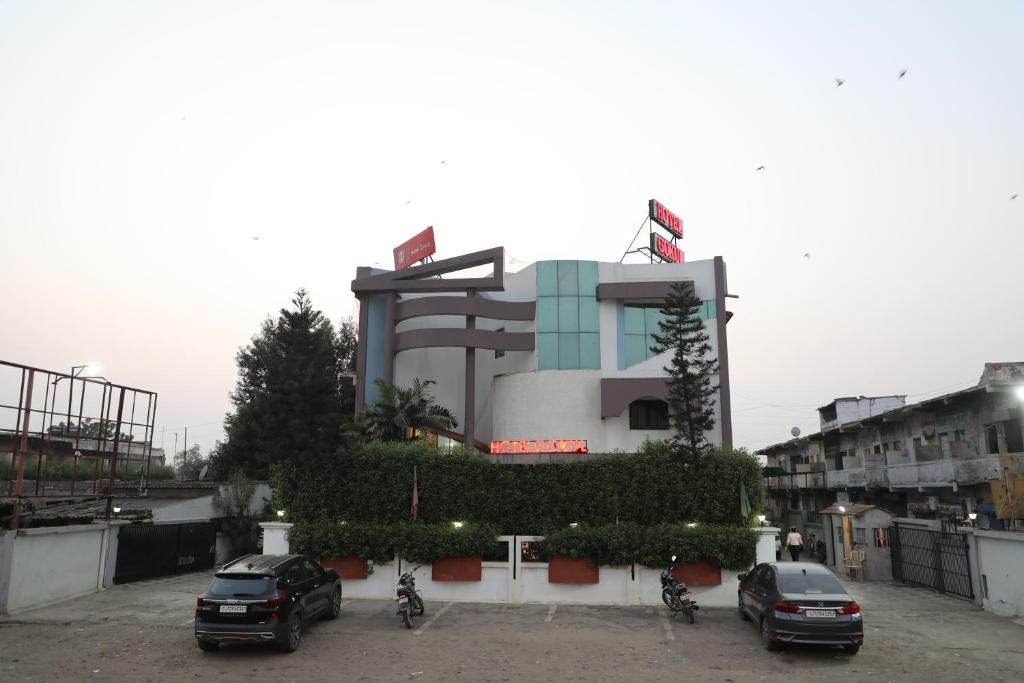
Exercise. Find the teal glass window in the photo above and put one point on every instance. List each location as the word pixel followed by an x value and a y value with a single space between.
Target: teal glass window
pixel 568 316
pixel 568 279
pixel 547 314
pixel 589 315
pixel 568 351
pixel 547 351
pixel 547 278
pixel 640 323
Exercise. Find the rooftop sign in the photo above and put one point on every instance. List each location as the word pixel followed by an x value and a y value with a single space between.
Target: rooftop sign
pixel 416 249
pixel 665 250
pixel 513 446
pixel 665 218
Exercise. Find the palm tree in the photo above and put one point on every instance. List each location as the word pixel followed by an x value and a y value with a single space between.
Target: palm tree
pixel 404 414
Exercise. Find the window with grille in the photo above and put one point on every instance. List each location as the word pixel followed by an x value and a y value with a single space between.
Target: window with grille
pixel 648 414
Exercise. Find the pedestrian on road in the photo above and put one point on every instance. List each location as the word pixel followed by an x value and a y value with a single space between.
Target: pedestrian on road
pixel 795 543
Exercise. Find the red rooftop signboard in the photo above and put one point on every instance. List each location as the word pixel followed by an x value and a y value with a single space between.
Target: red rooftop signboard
pixel 514 446
pixel 665 250
pixel 416 249
pixel 665 218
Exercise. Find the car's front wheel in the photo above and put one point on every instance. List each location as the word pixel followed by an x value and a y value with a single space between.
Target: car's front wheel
pixel 851 649
pixel 293 636
pixel 770 643
pixel 207 646
pixel 335 607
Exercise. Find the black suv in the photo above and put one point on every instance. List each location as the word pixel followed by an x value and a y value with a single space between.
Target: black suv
pixel 264 599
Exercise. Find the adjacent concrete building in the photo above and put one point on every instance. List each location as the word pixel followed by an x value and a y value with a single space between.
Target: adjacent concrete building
pixel 559 351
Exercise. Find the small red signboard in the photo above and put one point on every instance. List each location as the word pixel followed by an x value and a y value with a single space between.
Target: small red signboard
pixel 512 446
pixel 665 218
pixel 665 250
pixel 416 249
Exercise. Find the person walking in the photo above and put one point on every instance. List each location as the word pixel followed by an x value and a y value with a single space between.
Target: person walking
pixel 795 543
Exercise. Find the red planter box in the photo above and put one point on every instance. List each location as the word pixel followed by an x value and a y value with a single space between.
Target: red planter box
pixel 457 569
pixel 568 570
pixel 350 567
pixel 698 573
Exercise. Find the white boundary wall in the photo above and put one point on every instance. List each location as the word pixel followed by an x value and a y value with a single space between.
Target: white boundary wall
pixel 517 582
pixel 48 564
pixel 1000 571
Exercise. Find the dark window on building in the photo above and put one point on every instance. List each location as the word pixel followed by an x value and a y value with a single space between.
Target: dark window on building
pixel 992 438
pixel 878 448
pixel 498 353
pixel 828 413
pixel 1014 442
pixel 917 441
pixel 897 445
pixel 648 414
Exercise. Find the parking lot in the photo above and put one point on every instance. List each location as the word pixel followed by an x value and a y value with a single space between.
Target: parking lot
pixel 143 632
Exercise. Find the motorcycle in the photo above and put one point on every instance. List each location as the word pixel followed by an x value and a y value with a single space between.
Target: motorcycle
pixel 410 602
pixel 676 595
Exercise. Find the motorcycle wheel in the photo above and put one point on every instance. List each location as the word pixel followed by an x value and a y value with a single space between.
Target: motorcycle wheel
pixel 667 598
pixel 689 614
pixel 417 606
pixel 407 617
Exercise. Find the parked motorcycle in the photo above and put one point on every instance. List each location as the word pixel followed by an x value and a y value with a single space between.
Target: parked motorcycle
pixel 676 595
pixel 410 602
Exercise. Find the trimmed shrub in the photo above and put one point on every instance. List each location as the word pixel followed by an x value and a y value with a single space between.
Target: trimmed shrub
pixel 375 542
pixel 614 546
pixel 427 543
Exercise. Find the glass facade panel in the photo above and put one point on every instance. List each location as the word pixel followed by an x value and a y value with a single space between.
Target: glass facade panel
pixel 590 351
pixel 547 351
pixel 636 349
pixel 587 277
pixel 547 314
pixel 568 351
pixel 568 279
pixel 634 320
pixel 589 315
pixel 568 314
pixel 547 278
pixel 651 318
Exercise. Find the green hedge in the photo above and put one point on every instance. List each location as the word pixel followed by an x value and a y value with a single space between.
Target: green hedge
pixel 620 545
pixel 373 483
pixel 422 543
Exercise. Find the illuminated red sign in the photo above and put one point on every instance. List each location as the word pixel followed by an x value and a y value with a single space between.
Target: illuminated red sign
pixel 665 250
pixel 507 446
pixel 418 248
pixel 665 218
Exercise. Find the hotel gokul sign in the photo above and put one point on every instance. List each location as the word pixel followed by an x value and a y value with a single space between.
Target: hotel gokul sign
pixel 538 446
pixel 667 250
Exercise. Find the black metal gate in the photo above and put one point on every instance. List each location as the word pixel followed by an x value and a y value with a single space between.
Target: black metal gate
pixel 146 551
pixel 936 559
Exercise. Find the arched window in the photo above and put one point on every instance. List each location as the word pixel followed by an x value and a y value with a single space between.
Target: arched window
pixel 648 414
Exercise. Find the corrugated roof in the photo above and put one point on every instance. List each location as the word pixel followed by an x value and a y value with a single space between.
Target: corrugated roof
pixel 852 509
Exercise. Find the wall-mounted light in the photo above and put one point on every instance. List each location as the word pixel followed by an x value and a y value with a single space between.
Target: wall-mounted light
pixel 761 519
pixel 280 513
pixel 574 524
pixel 691 524
pixel 972 516
pixel 1020 392
pixel 117 510
pixel 842 509
pixel 457 525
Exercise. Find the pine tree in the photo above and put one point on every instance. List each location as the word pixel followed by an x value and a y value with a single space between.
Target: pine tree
pixel 288 402
pixel 690 392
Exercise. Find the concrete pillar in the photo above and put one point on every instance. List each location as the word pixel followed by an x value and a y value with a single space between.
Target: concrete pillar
pixel 766 544
pixel 275 537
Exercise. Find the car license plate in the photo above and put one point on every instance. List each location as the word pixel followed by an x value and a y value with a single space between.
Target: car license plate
pixel 821 613
pixel 403 601
pixel 232 609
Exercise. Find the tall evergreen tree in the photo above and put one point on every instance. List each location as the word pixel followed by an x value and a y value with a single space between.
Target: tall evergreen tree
pixel 690 392
pixel 288 402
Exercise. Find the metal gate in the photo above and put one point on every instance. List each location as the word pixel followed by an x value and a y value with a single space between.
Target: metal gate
pixel 146 551
pixel 936 559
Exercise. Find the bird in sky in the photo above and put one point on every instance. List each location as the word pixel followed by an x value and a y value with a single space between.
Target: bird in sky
pixel 255 238
pixel 839 82
pixel 902 74
pixel 408 202
pixel 1012 197
pixel 759 168
pixel 443 162
pixel 807 254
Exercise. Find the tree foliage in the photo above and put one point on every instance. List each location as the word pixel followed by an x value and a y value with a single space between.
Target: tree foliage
pixel 403 414
pixel 690 392
pixel 288 402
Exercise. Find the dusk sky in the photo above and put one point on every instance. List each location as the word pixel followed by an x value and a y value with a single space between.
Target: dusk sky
pixel 143 145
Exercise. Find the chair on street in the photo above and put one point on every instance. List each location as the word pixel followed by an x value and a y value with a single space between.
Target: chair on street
pixel 854 564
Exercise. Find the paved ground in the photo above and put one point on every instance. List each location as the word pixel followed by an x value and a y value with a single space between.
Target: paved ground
pixel 142 632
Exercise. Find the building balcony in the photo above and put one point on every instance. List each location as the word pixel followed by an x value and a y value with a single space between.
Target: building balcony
pixel 876 477
pixel 841 479
pixel 976 470
pixel 935 472
pixel 803 480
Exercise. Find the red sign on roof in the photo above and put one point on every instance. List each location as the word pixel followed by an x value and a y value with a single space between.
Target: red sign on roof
pixel 507 446
pixel 416 249
pixel 665 250
pixel 665 218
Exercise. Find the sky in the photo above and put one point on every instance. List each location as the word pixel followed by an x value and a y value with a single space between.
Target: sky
pixel 143 145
